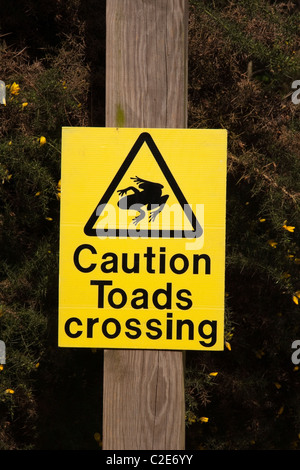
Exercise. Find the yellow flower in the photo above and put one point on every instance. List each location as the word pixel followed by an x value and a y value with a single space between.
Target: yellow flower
pixel 1 367
pixel 203 419
pixel 281 410
pixel 58 187
pixel 272 243
pixel 213 374
pixel 262 220
pixel 24 105
pixel 259 354
pixel 296 296
pixel 228 346
pixel 97 438
pixel 42 140
pixel 191 418
pixel 289 228
pixel 49 218
pixel 9 390
pixel 15 89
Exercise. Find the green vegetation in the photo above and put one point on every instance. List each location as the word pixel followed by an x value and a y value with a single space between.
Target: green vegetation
pixel 46 90
pixel 243 58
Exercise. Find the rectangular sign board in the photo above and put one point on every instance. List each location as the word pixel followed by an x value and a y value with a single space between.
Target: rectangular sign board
pixel 142 238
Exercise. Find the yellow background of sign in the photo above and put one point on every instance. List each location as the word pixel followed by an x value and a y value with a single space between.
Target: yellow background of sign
pixel 91 157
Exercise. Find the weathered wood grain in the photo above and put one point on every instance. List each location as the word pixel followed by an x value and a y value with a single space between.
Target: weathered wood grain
pixel 146 86
pixel 143 400
pixel 146 63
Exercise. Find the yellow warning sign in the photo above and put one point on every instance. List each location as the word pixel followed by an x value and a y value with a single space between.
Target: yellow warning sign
pixel 142 238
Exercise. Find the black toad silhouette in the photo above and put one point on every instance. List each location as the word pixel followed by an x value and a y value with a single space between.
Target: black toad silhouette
pixel 150 196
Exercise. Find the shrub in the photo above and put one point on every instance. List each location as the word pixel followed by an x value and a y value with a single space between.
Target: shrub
pixel 42 96
pixel 243 60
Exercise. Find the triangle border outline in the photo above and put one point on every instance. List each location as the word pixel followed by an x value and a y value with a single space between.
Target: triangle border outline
pixel 196 231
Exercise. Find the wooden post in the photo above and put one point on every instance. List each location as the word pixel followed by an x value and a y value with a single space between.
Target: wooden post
pixel 146 86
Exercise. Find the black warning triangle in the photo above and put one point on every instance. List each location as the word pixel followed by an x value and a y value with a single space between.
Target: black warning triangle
pixel 196 230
